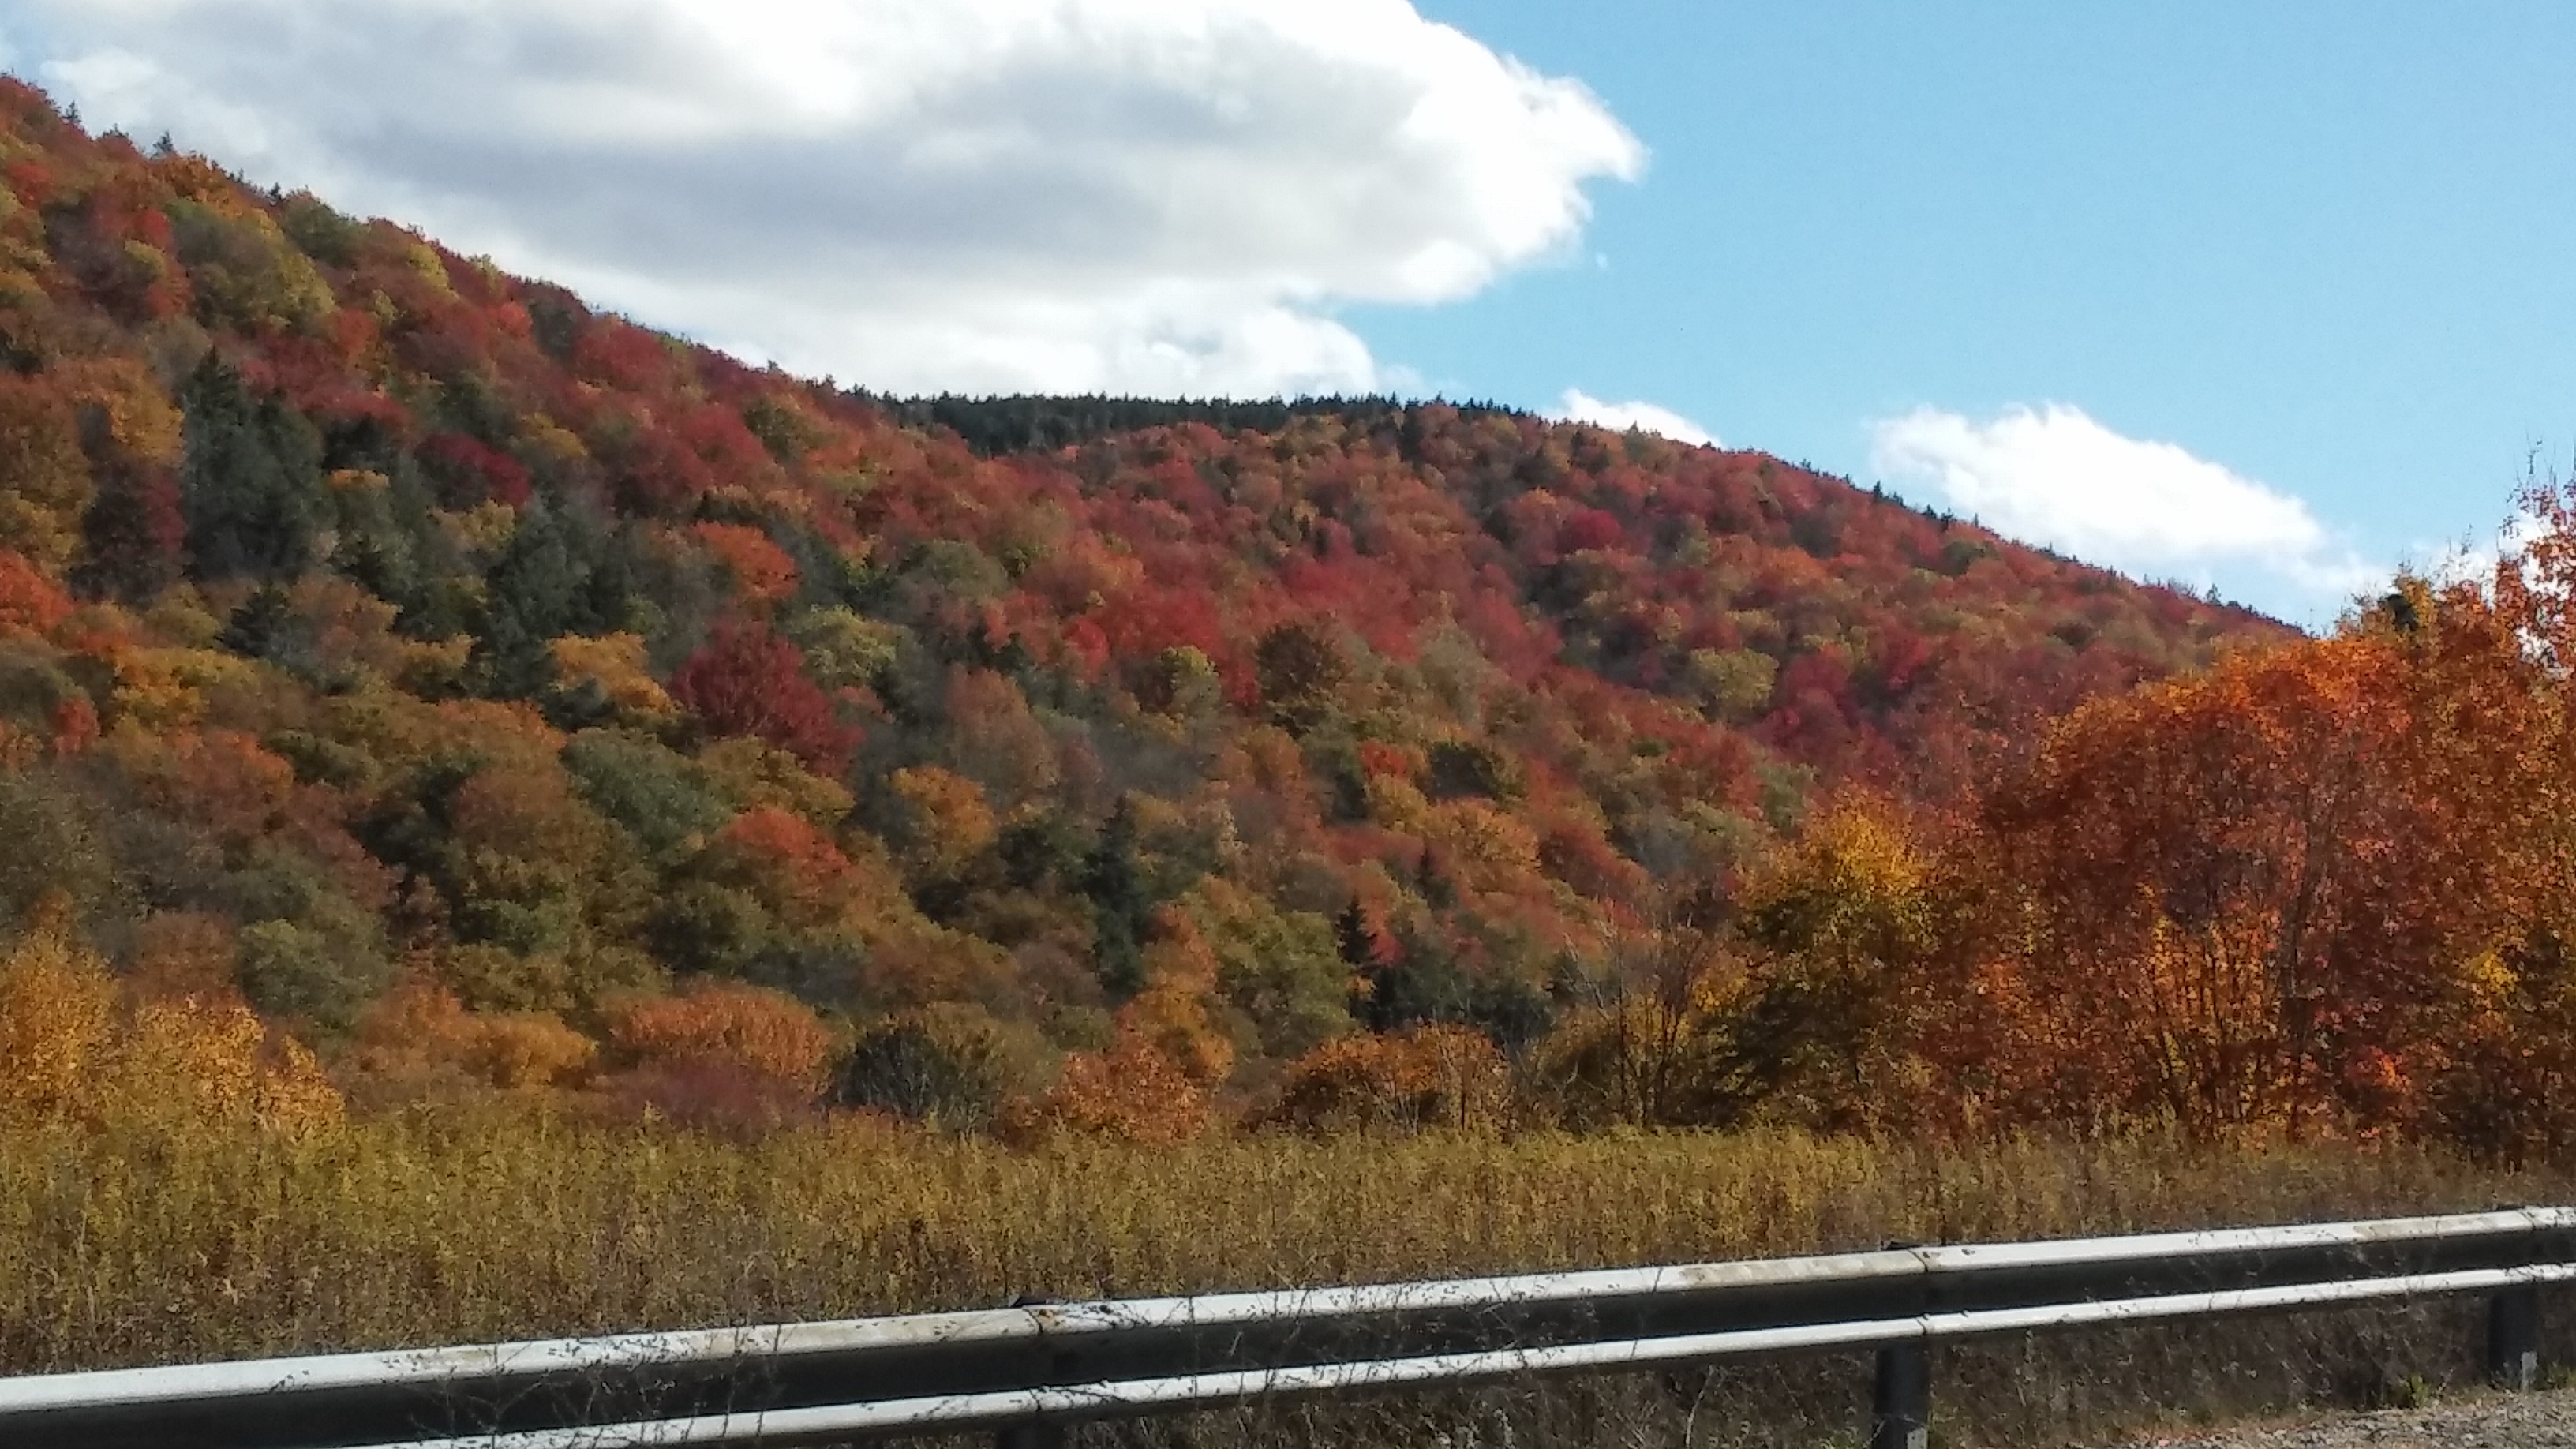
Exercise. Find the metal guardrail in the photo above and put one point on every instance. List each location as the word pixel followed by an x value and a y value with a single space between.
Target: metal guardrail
pixel 1029 1370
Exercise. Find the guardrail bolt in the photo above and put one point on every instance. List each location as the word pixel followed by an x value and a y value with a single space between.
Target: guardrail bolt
pixel 2513 1338
pixel 1902 1399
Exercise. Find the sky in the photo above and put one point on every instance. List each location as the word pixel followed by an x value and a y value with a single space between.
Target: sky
pixel 2264 299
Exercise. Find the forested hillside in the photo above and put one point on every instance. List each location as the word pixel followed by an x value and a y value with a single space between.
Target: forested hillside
pixel 497 695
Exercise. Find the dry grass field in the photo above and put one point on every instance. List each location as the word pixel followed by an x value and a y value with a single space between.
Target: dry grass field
pixel 138 1246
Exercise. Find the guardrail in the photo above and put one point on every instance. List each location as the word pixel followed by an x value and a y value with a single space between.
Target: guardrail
pixel 1028 1371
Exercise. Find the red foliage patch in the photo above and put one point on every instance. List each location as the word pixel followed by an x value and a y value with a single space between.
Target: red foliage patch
pixel 30 603
pixel 748 681
pixel 469 472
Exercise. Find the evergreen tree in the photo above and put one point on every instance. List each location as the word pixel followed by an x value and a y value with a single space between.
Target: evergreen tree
pixel 252 485
pixel 534 594
pixel 1120 903
pixel 1370 976
pixel 374 549
pixel 1358 940
pixel 607 601
pixel 262 628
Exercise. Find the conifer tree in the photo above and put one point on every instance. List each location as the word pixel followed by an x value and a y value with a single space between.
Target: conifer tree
pixel 1115 881
pixel 252 484
pixel 261 628
pixel 533 594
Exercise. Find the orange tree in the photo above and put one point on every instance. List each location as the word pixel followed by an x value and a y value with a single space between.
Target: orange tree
pixel 2498 664
pixel 2257 897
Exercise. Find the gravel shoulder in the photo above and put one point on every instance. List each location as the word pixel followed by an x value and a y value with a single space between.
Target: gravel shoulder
pixel 2485 1421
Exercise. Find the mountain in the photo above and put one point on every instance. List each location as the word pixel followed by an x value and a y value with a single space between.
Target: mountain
pixel 427 655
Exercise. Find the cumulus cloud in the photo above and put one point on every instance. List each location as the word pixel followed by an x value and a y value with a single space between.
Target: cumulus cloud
pixel 2055 476
pixel 1155 195
pixel 1578 406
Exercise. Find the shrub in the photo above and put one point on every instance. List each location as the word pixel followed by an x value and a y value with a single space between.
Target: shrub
pixel 1435 1076
pixel 757 1032
pixel 942 1067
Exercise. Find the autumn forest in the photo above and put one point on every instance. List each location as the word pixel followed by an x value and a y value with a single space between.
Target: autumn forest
pixel 426 698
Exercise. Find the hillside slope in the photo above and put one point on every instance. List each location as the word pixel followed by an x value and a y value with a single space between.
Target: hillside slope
pixel 482 684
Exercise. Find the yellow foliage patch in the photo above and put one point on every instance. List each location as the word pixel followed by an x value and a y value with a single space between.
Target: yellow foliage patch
pixel 79 1053
pixel 616 664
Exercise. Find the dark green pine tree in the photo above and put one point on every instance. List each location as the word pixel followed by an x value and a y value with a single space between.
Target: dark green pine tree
pixel 251 484
pixel 535 592
pixel 609 593
pixel 375 550
pixel 1357 941
pixel 263 627
pixel 1120 905
pixel 1352 932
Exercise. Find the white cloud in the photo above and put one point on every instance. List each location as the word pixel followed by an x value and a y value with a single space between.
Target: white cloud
pixel 2055 476
pixel 2468 559
pixel 1579 406
pixel 1152 195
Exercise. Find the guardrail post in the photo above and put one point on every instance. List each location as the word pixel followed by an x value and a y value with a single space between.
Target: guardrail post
pixel 1035 1433
pixel 1901 1393
pixel 2513 1338
pixel 1901 1400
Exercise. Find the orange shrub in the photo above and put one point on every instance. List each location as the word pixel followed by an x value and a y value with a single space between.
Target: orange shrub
pixel 194 1060
pixel 766 1033
pixel 420 1034
pixel 1172 1014
pixel 532 1049
pixel 1433 1076
pixel 1130 1092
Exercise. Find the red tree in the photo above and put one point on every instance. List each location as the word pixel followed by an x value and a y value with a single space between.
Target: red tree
pixel 748 681
pixel 468 472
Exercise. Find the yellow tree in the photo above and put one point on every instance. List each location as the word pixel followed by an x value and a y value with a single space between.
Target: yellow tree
pixel 78 1053
pixel 1842 924
pixel 57 1022
pixel 44 476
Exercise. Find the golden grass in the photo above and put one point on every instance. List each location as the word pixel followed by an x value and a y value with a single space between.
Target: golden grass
pixel 136 1247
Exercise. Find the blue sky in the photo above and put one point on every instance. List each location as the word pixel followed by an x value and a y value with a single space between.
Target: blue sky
pixel 2323 246
pixel 2268 298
